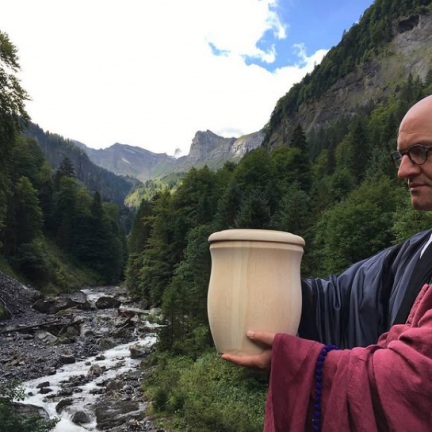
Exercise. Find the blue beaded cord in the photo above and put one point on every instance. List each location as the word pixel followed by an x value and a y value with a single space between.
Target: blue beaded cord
pixel 318 385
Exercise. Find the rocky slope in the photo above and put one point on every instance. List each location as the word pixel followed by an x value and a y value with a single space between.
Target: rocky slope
pixel 410 51
pixel 79 352
pixel 130 161
pixel 212 150
pixel 207 148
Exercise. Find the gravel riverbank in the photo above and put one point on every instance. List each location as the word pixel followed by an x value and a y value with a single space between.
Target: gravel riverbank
pixel 78 355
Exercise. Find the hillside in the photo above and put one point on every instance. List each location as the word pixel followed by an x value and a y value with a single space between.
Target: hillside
pixel 366 67
pixel 55 148
pixel 126 160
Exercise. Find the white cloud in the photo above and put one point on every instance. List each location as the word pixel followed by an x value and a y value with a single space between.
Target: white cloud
pixel 143 72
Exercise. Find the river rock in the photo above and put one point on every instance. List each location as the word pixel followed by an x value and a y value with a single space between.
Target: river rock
pixel 111 413
pixel 80 300
pixel 53 306
pixel 81 417
pixel 106 343
pixel 45 390
pixel 46 337
pixel 67 359
pixel 95 371
pixel 63 404
pixel 114 385
pixel 30 410
pixel 138 351
pixel 107 302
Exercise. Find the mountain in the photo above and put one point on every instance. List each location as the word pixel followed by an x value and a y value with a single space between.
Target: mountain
pixel 207 148
pixel 111 187
pixel 130 161
pixel 391 41
pixel 212 150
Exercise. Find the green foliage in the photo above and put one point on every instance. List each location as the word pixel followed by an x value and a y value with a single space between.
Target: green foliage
pixel 12 115
pixel 112 188
pixel 140 232
pixel 32 261
pixel 408 221
pixel 10 421
pixel 357 227
pixel 345 201
pixel 28 213
pixel 207 395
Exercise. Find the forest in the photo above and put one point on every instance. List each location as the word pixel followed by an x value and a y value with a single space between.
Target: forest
pixel 54 233
pixel 347 203
pixel 336 187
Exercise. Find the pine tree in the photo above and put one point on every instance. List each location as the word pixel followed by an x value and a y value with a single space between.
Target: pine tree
pixel 65 169
pixel 28 213
pixel 302 162
pixel 13 115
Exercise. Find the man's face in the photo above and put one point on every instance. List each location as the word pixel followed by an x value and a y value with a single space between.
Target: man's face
pixel 416 128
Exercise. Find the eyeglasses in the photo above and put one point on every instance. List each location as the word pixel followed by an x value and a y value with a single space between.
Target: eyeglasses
pixel 418 155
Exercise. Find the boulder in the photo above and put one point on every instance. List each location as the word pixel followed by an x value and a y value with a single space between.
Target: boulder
pixel 81 417
pixel 30 410
pixel 45 390
pixel 80 300
pixel 67 359
pixel 138 351
pixel 107 302
pixel 42 306
pixel 112 412
pixel 53 306
pixel 106 343
pixel 46 337
pixel 95 371
pixel 63 404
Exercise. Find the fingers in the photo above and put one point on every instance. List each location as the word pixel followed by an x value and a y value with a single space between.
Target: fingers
pixel 260 336
pixel 258 361
pixel 247 361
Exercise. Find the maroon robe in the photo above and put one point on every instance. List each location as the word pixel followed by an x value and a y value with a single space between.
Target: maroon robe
pixel 383 387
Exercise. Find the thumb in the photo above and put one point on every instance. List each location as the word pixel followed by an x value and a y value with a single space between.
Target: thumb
pixel 260 336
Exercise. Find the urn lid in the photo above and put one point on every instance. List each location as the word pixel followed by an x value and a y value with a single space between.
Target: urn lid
pixel 256 235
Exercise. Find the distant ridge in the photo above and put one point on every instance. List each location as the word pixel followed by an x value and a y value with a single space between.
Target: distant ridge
pixel 207 148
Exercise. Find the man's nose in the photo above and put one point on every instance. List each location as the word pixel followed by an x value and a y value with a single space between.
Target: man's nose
pixel 407 168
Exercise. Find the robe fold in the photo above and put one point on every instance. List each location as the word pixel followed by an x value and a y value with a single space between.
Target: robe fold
pixel 356 307
pixel 386 386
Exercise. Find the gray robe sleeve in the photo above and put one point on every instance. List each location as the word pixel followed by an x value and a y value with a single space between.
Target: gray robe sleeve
pixel 357 306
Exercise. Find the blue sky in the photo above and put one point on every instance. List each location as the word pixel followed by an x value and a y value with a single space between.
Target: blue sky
pixel 317 24
pixel 151 73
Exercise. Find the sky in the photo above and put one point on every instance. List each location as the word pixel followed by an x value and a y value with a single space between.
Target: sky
pixel 151 73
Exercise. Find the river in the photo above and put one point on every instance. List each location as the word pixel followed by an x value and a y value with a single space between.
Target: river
pixel 98 392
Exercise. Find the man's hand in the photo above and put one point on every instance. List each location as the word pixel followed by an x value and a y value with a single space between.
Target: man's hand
pixel 258 361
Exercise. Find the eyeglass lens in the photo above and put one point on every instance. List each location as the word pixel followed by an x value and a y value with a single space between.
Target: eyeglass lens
pixel 417 154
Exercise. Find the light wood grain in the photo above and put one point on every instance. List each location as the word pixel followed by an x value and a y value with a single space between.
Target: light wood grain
pixel 254 285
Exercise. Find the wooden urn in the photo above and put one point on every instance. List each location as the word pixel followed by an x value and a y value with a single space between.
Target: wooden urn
pixel 254 285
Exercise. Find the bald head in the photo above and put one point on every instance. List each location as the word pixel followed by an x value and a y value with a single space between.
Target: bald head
pixel 416 126
pixel 417 123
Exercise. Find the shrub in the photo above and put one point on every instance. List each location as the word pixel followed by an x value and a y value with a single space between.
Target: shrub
pixel 206 395
pixel 10 421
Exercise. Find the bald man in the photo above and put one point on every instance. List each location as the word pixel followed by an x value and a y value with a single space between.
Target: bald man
pixel 380 311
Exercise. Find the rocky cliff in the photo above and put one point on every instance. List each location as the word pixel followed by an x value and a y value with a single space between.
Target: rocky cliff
pixel 212 150
pixel 207 148
pixel 409 52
